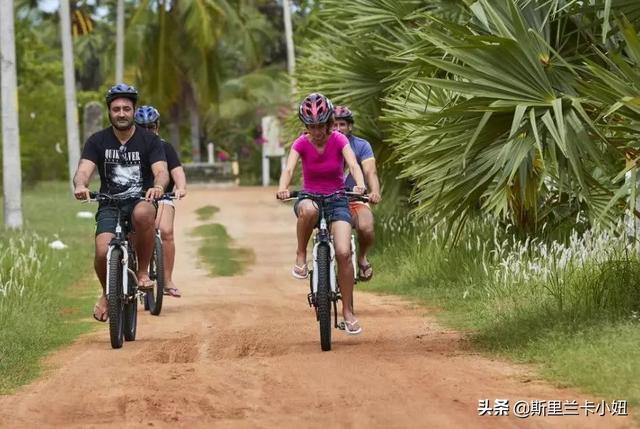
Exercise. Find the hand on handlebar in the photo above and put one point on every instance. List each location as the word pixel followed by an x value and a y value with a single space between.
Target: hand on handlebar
pixel 359 190
pixel 375 198
pixel 283 194
pixel 180 193
pixel 154 193
pixel 81 193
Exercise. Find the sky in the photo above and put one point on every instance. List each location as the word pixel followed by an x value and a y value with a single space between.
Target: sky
pixel 51 6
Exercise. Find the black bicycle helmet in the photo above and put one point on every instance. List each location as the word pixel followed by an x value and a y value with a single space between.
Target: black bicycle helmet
pixel 121 90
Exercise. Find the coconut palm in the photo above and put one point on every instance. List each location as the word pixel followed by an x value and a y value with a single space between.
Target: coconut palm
pixel 178 53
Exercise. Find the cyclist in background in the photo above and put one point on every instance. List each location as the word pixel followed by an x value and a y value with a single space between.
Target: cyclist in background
pixel 148 117
pixel 324 152
pixel 130 161
pixel 360 211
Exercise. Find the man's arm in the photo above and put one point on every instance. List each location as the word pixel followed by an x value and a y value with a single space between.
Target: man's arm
pixel 371 177
pixel 160 179
pixel 180 179
pixel 81 179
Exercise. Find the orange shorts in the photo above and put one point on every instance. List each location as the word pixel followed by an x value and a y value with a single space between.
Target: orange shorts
pixel 354 206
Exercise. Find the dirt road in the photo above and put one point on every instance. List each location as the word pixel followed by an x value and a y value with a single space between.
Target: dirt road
pixel 244 352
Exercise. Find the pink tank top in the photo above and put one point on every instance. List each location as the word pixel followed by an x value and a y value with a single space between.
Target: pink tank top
pixel 322 173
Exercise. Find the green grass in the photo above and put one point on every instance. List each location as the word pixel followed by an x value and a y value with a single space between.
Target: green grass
pixel 206 212
pixel 216 249
pixel 48 294
pixel 580 323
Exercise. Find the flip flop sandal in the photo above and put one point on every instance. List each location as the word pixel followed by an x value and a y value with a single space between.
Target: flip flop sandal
pixel 146 285
pixel 172 291
pixel 300 272
pixel 103 317
pixel 363 269
pixel 348 325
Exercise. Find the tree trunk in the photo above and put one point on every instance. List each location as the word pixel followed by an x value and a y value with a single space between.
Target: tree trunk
pixel 288 31
pixel 174 127
pixel 73 139
pixel 11 171
pixel 194 120
pixel 120 42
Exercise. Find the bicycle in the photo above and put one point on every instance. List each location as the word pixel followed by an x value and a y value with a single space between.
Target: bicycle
pixel 152 300
pixel 324 288
pixel 121 288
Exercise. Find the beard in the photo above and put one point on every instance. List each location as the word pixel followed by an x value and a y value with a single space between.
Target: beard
pixel 121 124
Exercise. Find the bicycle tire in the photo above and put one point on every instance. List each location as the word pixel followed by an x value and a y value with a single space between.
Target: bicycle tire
pixel 323 297
pixel 114 299
pixel 130 313
pixel 156 272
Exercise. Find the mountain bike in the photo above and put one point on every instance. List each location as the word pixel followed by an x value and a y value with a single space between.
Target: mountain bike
pixel 152 299
pixel 323 282
pixel 121 287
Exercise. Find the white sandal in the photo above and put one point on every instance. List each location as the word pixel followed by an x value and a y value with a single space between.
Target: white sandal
pixel 347 324
pixel 302 268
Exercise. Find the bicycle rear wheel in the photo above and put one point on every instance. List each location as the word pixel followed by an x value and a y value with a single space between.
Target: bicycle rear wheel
pixel 156 272
pixel 130 312
pixel 323 297
pixel 114 298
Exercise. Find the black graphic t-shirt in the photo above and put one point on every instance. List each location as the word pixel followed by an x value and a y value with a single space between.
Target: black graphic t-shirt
pixel 125 169
pixel 173 161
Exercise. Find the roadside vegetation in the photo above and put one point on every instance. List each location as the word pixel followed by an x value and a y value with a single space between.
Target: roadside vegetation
pixel 46 294
pixel 571 306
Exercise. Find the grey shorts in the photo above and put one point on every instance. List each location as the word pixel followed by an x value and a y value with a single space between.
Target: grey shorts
pixel 107 215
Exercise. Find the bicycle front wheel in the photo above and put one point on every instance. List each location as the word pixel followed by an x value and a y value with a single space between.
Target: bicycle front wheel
pixel 323 297
pixel 115 299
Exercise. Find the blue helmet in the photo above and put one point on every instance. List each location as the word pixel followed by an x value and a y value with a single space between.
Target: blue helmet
pixel 121 90
pixel 146 115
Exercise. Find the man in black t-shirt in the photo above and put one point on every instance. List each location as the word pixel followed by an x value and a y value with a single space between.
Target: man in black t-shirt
pixel 131 163
pixel 149 118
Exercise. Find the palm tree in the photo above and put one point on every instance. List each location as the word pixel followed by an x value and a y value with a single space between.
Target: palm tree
pixel 73 139
pixel 490 105
pixel 12 176
pixel 176 74
pixel 186 76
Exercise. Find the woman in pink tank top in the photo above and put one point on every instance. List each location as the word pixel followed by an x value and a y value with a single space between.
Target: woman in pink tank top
pixel 323 153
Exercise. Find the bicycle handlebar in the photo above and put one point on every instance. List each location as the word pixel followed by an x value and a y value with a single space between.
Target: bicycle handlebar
pixel 353 196
pixel 101 196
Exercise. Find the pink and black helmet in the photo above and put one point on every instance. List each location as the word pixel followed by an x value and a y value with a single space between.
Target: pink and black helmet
pixel 315 109
pixel 343 112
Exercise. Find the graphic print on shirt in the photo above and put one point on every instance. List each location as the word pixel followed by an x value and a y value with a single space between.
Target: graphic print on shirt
pixel 123 173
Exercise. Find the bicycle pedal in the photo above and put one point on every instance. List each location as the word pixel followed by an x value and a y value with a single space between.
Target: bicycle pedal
pixel 341 325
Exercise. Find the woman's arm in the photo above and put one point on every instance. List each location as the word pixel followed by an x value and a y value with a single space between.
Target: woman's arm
pixel 287 174
pixel 354 168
